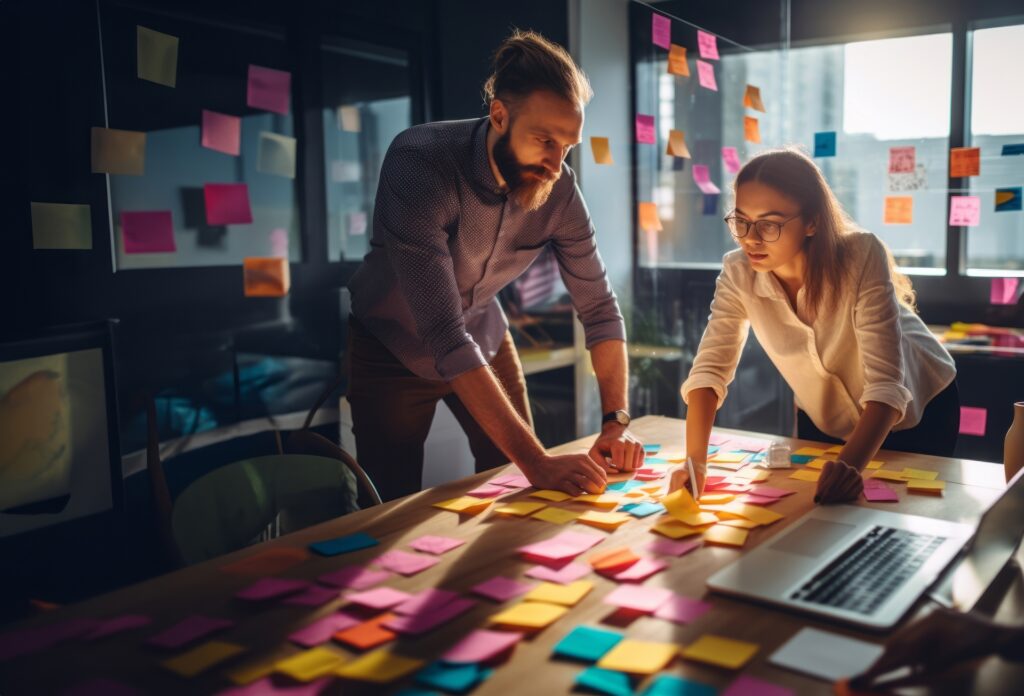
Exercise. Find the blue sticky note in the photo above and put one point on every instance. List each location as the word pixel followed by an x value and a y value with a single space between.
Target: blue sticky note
pixel 825 144
pixel 801 458
pixel 642 509
pixel 655 460
pixel 652 448
pixel 451 677
pixel 1008 199
pixel 344 544
pixel 710 204
pixel 713 449
pixel 605 681
pixel 1013 149
pixel 624 486
pixel 587 643
pixel 759 457
pixel 668 685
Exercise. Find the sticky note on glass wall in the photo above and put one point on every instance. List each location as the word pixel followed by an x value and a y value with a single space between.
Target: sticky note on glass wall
pixel 964 211
pixel 661 30
pixel 751 130
pixel 1008 199
pixel 752 98
pixel 118 151
pixel 61 226
pixel 276 155
pixel 706 75
pixel 825 144
pixel 357 223
pixel 731 159
pixel 649 220
pixel 156 56
pixel 677 144
pixel 972 420
pixel 227 204
pixel 964 161
pixel 702 177
pixel 602 150
pixel 902 160
pixel 707 44
pixel 1004 291
pixel 269 89
pixel 899 210
pixel 1013 149
pixel 645 128
pixel 677 64
pixel 147 231
pixel 349 119
pixel 266 277
pixel 221 132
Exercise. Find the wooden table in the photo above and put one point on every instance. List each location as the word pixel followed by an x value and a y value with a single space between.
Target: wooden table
pixel 490 551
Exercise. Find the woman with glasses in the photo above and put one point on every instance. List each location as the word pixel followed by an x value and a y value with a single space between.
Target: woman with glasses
pixel 837 319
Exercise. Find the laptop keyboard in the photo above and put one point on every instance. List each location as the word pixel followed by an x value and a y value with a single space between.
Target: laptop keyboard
pixel 870 571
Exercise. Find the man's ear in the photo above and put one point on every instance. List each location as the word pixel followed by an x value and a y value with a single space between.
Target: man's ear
pixel 500 116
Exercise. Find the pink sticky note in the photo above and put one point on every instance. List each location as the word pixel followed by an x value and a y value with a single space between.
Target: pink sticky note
pixel 680 609
pixel 511 481
pixel 118 624
pixel 560 547
pixel 965 211
pixel 667 547
pixel 707 44
pixel 770 491
pixel 279 243
pixel 422 622
pixel 661 31
pixel 641 570
pixel 221 132
pixel 436 544
pixel 405 563
pixel 1004 291
pixel 270 588
pixel 273 686
pixel 731 159
pixel 378 598
pixel 481 645
pixel 188 631
pixel 752 499
pixel 425 601
pixel 751 686
pixel 354 577
pixel 357 223
pixel 502 589
pixel 706 75
pixel 972 420
pixel 638 597
pixel 487 491
pixel 321 630
pixel 718 439
pixel 314 596
pixel 570 572
pixel 269 89
pixel 702 177
pixel 31 640
pixel 644 128
pixel 878 492
pixel 227 204
pixel 147 232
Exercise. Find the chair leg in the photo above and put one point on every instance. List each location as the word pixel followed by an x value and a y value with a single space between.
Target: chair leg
pixel 307 442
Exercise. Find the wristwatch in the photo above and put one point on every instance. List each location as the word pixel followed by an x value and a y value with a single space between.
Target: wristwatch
pixel 621 417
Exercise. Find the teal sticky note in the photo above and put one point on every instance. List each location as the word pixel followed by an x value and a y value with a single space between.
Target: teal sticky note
pixel 605 681
pixel 624 486
pixel 652 448
pixel 642 509
pixel 668 685
pixel 801 458
pixel 759 457
pixel 450 677
pixel 655 460
pixel 1013 149
pixel 587 643
pixel 825 144
pixel 713 449
pixel 351 542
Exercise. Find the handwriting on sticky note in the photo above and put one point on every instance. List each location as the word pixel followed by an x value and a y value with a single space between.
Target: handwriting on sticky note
pixel 661 30
pixel 902 160
pixel 677 61
pixel 964 211
pixel 645 128
pixel 964 161
pixel 899 210
pixel 706 75
pixel 707 44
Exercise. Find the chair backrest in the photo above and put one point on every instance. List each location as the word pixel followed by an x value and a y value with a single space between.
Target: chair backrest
pixel 233 506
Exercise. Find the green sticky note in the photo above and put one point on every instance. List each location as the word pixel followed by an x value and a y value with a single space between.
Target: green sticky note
pixel 587 643
pixel 605 681
pixel 668 685
pixel 61 226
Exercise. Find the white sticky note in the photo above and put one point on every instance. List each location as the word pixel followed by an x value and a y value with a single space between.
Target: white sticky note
pixel 828 656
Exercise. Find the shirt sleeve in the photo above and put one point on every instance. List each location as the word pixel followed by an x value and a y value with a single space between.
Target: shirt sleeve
pixel 584 273
pixel 722 342
pixel 413 205
pixel 876 318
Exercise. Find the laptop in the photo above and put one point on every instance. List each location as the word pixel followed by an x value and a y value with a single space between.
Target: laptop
pixel 868 567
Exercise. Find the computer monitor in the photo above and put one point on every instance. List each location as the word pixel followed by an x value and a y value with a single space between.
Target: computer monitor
pixel 59 451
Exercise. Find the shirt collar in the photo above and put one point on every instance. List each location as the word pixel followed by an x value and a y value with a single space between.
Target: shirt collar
pixel 766 285
pixel 480 165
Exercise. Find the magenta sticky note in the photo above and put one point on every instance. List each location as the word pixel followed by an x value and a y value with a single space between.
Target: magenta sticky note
pixel 641 570
pixel 571 572
pixel 481 645
pixel 680 609
pixel 405 563
pixel 415 624
pixel 707 44
pixel 436 544
pixel 101 687
pixel 227 204
pixel 430 599
pixel 31 640
pixel 645 129
pixel 502 589
pixel 488 491
pixel 731 159
pixel 770 491
pixel 702 177
pixel 752 499
pixel 221 132
pixel 269 89
pixel 147 232
pixel 972 420
pixel 313 596
pixel 661 31
pixel 187 631
pixel 271 588
pixel 1004 291
pixel 965 211
pixel 321 630
pixel 751 686
pixel 378 598
pixel 668 547
pixel 638 597
pixel 706 75
pixel 354 577
pixel 511 481
pixel 878 492
pixel 118 624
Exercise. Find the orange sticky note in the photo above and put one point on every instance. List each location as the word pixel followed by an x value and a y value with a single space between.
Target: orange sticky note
pixel 604 520
pixel 677 61
pixel 752 98
pixel 649 219
pixel 677 144
pixel 613 559
pixel 368 634
pixel 899 210
pixel 964 161
pixel 602 150
pixel 751 129
pixel 266 277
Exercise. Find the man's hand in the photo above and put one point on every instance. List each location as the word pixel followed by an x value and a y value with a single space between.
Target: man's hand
pixel 574 474
pixel 617 449
pixel 680 477
pixel 839 483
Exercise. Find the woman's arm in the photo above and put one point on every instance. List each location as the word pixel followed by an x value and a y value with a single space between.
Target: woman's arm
pixel 700 417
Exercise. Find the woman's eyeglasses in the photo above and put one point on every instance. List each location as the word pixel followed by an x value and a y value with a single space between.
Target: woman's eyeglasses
pixel 767 230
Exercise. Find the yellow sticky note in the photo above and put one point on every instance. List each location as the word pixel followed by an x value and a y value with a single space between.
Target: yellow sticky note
pixel 674 529
pixel 716 498
pixel 719 651
pixel 466 505
pixel 833 449
pixel 729 457
pixel 697 519
pixel 380 667
pixel 813 451
pixel 61 226
pixel 156 56
pixel 752 475
pixel 817 464
pixel 349 119
pixel 118 151
pixel 680 502
pixel 755 513
pixel 899 210
pixel 725 535
pixel 925 486
pixel 887 475
pixel 805 475
pixel 919 474
pixel 602 150
pixel 874 464
pixel 603 520
pixel 677 144
pixel 740 522
pixel 677 60
pixel 649 220
pixel 519 509
pixel 602 500
pixel 638 656
pixel 530 615
pixel 201 658
pixel 553 593
pixel 752 98
pixel 553 496
pixel 555 515
pixel 310 664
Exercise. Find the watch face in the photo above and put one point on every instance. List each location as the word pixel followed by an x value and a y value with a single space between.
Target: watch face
pixel 622 417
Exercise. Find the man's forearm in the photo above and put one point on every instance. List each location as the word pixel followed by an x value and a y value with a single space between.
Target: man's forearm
pixel 611 365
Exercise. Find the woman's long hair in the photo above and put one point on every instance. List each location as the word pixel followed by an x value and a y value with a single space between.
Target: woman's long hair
pixel 796 176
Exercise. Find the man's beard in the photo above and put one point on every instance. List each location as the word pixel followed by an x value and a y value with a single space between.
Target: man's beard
pixel 529 185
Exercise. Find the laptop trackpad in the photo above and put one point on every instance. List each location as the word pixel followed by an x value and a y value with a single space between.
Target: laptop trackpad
pixel 813 538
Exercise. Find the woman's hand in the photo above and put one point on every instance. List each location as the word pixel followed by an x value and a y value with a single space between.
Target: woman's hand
pixel 839 483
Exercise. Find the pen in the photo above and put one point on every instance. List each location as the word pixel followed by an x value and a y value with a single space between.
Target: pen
pixel 693 477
